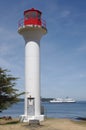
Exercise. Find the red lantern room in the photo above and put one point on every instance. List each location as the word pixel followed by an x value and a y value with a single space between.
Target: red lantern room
pixel 33 17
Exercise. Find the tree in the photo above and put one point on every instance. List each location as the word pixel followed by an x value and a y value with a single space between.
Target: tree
pixel 8 94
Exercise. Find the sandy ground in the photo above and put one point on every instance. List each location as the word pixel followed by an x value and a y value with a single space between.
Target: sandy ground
pixel 48 124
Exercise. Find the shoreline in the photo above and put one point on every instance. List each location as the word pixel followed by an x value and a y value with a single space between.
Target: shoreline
pixel 47 124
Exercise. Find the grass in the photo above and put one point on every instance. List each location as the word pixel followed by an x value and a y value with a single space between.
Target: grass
pixel 9 122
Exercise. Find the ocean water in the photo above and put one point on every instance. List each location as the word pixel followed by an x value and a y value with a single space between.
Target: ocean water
pixel 55 110
pixel 66 110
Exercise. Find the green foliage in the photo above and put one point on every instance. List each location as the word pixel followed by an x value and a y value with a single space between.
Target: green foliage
pixel 8 94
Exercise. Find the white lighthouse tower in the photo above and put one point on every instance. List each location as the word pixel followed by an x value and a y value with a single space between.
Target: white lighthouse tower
pixel 32 28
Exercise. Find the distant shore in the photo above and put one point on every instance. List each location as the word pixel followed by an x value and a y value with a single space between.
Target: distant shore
pixel 48 124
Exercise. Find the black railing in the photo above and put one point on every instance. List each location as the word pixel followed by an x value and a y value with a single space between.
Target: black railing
pixel 21 23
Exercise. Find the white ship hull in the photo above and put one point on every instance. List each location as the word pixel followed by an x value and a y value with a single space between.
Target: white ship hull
pixel 61 100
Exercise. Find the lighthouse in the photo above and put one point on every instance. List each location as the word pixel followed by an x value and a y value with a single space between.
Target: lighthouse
pixel 32 27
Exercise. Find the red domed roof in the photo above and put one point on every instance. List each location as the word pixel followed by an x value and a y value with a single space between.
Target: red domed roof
pixel 31 10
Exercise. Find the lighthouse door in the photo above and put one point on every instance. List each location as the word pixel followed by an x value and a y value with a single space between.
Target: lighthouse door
pixel 30 106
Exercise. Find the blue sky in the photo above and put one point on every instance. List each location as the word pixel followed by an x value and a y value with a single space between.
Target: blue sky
pixel 63 49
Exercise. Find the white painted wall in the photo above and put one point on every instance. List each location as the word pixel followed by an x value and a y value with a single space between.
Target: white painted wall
pixel 32 36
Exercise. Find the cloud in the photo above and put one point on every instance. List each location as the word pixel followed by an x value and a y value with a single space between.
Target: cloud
pixel 11 54
pixel 65 13
pixel 82 48
pixel 82 75
pixel 6 34
pixel 4 63
pixel 3 49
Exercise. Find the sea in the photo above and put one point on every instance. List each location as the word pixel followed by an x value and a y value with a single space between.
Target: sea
pixel 52 110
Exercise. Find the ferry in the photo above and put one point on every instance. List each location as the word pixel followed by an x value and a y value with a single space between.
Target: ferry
pixel 62 100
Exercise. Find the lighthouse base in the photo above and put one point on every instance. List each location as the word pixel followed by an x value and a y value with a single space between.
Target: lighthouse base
pixel 25 118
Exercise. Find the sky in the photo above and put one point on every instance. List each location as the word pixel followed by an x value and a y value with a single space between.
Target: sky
pixel 63 48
